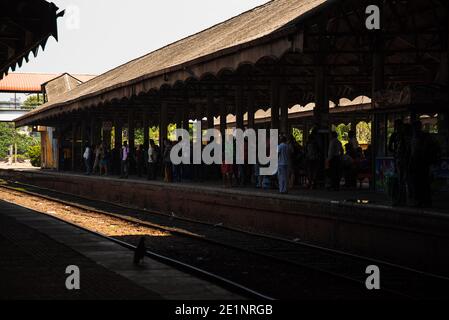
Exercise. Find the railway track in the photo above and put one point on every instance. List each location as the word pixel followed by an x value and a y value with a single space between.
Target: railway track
pixel 307 271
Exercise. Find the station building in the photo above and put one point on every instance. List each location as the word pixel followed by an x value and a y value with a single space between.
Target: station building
pixel 286 65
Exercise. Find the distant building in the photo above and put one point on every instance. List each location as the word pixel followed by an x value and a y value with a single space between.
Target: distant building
pixel 51 89
pixel 50 86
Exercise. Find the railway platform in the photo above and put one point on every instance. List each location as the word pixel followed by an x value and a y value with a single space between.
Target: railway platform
pixel 357 222
pixel 35 251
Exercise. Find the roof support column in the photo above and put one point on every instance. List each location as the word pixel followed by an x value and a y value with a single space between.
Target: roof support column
pixel 321 110
pixel 305 135
pixel 146 130
pixel 274 103
pixel 210 111
pixel 223 123
pixel 283 101
pixel 74 128
pixel 131 133
pixel 107 135
pixel 321 116
pixel 377 85
pixel 118 133
pixel 178 118
pixel 57 156
pixel 83 138
pixel 131 141
pixel 199 113
pixel 93 125
pixel 185 117
pixel 251 109
pixel 239 121
pixel 163 125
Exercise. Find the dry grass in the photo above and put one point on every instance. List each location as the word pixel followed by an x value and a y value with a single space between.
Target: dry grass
pixel 109 226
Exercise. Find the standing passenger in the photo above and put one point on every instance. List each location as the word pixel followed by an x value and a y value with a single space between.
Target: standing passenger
pixel 293 151
pixel 283 164
pixel 152 161
pixel 177 168
pixel 97 159
pixel 140 159
pixel 313 156
pixel 105 158
pixel 399 146
pixel 87 156
pixel 334 159
pixel 424 152
pixel 167 161
pixel 124 157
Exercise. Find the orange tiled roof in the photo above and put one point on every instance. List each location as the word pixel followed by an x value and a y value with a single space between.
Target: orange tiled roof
pixel 31 82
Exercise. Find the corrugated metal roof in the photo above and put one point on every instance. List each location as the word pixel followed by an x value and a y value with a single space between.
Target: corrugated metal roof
pixel 32 82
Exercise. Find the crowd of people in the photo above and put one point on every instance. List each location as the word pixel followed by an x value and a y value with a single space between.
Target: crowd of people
pixel 310 166
pixel 296 165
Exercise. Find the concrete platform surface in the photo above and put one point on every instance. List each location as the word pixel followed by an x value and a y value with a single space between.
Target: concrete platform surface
pixel 35 251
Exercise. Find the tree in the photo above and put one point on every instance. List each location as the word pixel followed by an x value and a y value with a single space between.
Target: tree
pixel 298 135
pixel 9 136
pixel 34 153
pixel 33 102
pixel 364 132
pixel 342 131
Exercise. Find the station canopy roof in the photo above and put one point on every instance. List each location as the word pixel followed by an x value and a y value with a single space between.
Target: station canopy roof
pixel 220 39
pixel 273 30
pixel 25 26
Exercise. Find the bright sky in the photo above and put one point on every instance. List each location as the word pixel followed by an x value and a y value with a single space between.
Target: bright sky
pixel 98 35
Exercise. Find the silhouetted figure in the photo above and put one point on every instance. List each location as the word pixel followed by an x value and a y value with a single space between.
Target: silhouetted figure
pixel 141 249
pixel 177 168
pixel 399 146
pixel 334 159
pixel 424 152
pixel 168 165
pixel 140 159
pixel 350 160
pixel 314 156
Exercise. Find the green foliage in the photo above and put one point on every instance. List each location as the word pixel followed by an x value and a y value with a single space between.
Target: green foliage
pixel 34 153
pixel 171 132
pixel 138 137
pixel 33 102
pixel 298 135
pixel 10 136
pixel 154 134
pixel 364 132
pixel 342 131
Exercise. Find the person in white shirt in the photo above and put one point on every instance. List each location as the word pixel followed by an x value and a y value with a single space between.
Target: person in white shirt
pixel 152 160
pixel 87 156
pixel 124 157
